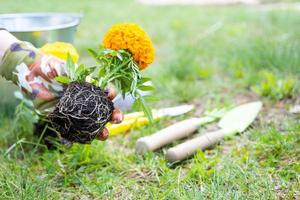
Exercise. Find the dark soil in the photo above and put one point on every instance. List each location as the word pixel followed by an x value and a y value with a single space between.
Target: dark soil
pixel 81 113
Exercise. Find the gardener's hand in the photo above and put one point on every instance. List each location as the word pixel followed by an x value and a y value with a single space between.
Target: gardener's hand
pixel 117 116
pixel 28 76
pixel 36 74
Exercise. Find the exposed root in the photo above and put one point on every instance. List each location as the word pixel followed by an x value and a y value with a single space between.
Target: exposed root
pixel 81 112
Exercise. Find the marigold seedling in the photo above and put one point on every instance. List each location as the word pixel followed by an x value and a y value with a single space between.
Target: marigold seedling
pixel 84 108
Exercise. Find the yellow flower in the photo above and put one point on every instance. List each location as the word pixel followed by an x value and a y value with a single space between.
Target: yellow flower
pixel 61 50
pixel 131 37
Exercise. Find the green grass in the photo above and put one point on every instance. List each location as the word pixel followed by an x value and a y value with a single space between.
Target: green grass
pixel 209 56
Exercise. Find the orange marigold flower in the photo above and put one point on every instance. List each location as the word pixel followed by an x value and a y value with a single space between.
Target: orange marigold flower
pixel 131 37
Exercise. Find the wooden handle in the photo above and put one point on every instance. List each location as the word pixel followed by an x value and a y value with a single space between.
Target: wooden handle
pixel 167 135
pixel 188 148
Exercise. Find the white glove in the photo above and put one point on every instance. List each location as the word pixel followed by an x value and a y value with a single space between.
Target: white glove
pixel 6 39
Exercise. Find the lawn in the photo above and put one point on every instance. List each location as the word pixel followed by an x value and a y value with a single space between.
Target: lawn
pixel 211 57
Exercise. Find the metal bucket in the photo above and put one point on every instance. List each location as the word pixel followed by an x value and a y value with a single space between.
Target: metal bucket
pixel 41 28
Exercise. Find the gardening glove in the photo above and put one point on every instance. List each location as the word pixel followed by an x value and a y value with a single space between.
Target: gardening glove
pixel 6 39
pixel 34 72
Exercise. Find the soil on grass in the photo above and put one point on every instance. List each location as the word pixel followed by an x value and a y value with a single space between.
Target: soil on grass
pixel 81 112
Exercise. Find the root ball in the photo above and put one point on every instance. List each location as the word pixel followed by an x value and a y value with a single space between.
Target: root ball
pixel 81 113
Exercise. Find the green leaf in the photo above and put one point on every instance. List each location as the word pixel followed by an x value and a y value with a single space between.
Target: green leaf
pixel 63 79
pixel 70 66
pixel 119 55
pixel 146 88
pixel 141 104
pixel 101 72
pixel 83 71
pixel 93 53
pixel 79 71
pixel 113 53
pixel 144 80
pixel 146 110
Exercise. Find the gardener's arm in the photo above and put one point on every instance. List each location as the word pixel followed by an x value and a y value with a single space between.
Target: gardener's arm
pixel 35 73
pixel 6 39
pixel 32 71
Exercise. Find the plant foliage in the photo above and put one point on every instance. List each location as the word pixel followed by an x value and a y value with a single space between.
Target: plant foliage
pixel 112 67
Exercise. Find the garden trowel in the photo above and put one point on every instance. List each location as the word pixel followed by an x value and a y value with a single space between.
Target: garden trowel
pixel 176 131
pixel 234 121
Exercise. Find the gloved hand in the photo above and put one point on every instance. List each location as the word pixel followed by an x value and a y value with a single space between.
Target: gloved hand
pixel 34 72
pixel 6 39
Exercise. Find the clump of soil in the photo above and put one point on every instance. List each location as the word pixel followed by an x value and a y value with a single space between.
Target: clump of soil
pixel 81 113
